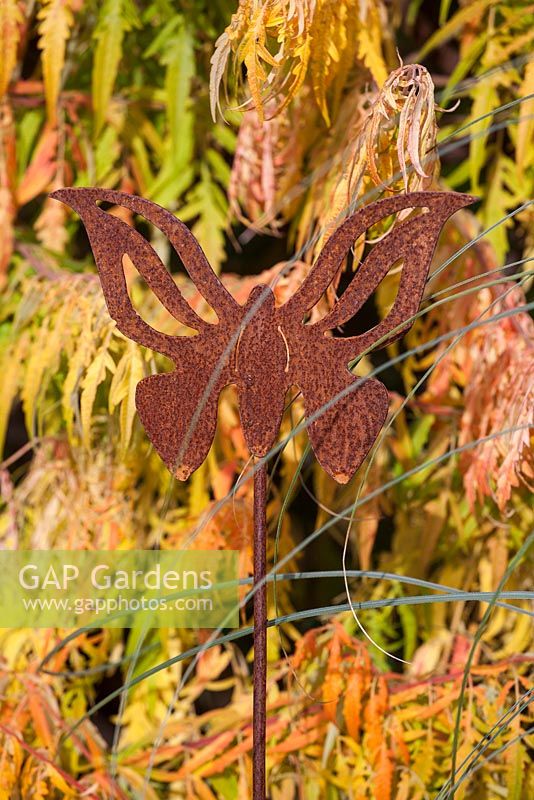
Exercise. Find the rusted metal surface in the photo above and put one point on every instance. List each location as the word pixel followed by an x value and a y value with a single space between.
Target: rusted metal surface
pixel 264 350
pixel 261 348
pixel 260 633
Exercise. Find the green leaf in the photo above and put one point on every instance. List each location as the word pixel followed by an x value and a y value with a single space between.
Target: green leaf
pixel 27 132
pixel 142 163
pixel 116 18
pixel 160 42
pixel 485 98
pixel 226 785
pixel 170 184
pixel 409 630
pixel 106 154
pixel 465 63
pixel 498 203
pixel 179 58
pixel 444 10
pixel 420 433
pixel 219 167
pixel 225 136
pixel 209 228
pixel 463 17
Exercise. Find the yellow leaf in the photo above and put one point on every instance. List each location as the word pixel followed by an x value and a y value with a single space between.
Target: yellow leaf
pixel 10 361
pixel 57 780
pixel 119 384
pixel 136 781
pixel 136 373
pixel 369 49
pixel 255 75
pixel 202 789
pixel 45 353
pixel 11 760
pixel 94 376
pixel 56 22
pixel 77 363
pixel 525 129
pixel 10 20
pixel 321 57
pixel 424 761
pixel 198 492
pixel 518 640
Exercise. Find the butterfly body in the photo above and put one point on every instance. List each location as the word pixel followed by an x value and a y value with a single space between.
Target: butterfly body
pixel 261 348
pixel 261 371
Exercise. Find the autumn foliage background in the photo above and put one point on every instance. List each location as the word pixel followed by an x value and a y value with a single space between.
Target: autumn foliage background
pixel 262 124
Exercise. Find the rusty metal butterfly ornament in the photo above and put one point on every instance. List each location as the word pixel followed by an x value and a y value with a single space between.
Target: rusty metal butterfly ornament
pixel 263 349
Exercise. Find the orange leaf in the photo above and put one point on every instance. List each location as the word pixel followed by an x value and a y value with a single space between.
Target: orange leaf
pixel 424 712
pixel 40 722
pixel 399 743
pixel 298 741
pixel 352 706
pixel 220 764
pixel 374 716
pixel 383 775
pixel 204 755
pixel 41 169
pixel 332 691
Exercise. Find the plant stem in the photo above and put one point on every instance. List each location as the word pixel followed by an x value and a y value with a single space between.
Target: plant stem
pixel 260 633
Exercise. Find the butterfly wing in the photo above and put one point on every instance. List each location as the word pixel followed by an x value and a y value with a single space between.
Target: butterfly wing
pixel 178 409
pixel 346 413
pixel 412 241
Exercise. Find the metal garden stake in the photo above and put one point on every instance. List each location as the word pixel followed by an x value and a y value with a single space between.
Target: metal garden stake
pixel 263 349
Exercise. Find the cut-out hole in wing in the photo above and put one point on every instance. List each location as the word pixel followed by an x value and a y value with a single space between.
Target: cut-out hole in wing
pixel 149 306
pixel 413 240
pixel 104 205
pixel 345 413
pixel 111 238
pixel 179 408
pixel 375 307
pixel 339 281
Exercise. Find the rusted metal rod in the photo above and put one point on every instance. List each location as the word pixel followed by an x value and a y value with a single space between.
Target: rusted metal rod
pixel 260 634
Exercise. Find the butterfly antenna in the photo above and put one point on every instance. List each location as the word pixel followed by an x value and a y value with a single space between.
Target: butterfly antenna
pixel 353 610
